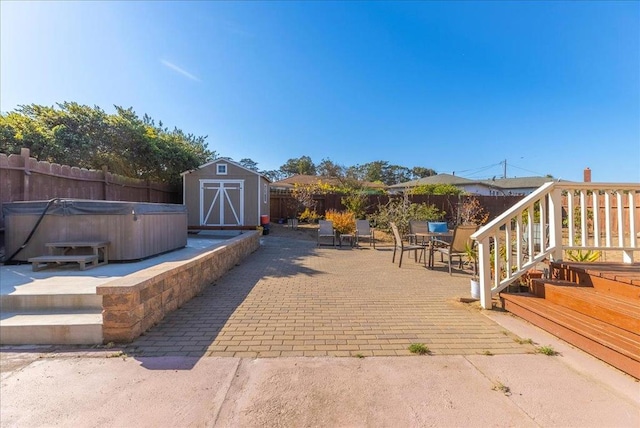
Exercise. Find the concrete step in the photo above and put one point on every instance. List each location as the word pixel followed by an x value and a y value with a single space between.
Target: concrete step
pixel 53 327
pixel 45 301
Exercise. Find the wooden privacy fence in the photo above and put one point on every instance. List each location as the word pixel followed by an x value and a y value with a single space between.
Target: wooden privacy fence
pixel 23 178
pixel 284 206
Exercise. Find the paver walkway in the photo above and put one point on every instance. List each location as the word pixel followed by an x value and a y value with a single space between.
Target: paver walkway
pixel 291 298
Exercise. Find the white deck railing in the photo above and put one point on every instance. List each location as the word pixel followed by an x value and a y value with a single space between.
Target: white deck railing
pixel 555 218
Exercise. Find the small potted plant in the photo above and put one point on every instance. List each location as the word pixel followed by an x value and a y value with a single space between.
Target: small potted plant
pixel 472 255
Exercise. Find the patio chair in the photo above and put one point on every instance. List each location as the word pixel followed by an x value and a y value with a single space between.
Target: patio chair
pixel 460 240
pixel 399 245
pixel 364 230
pixel 326 231
pixel 416 226
pixel 438 226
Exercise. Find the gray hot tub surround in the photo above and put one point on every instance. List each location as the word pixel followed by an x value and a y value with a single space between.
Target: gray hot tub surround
pixel 135 230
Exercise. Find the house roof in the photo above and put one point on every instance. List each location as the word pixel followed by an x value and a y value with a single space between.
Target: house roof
pixel 519 182
pixel 500 183
pixel 225 160
pixel 299 179
pixel 435 179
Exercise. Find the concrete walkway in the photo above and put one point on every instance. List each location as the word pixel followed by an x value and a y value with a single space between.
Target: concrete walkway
pixel 309 307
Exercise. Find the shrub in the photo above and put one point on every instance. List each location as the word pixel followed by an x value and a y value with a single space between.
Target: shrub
pixel 343 221
pixel 356 202
pixel 471 212
pixel 400 211
pixel 436 189
pixel 583 256
pixel 309 216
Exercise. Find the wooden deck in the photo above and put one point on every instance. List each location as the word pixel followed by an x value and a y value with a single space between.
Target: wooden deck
pixel 593 306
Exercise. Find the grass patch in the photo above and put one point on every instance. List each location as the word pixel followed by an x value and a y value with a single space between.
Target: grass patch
pixel 117 355
pixel 359 355
pixel 546 350
pixel 419 348
pixel 523 341
pixel 488 353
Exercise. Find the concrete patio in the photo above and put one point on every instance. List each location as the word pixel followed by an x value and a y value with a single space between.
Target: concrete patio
pixel 339 322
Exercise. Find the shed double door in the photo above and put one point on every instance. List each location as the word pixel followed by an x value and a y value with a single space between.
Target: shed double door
pixel 221 202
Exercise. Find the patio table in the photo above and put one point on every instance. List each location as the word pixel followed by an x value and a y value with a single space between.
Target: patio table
pixel 427 239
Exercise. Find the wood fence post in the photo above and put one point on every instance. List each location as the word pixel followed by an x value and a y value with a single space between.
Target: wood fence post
pixel 25 153
pixel 105 183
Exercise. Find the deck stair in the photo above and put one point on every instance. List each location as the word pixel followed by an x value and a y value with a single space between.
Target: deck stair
pixel 72 316
pixel 593 306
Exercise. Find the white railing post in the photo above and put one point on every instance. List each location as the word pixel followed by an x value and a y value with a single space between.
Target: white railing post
pixel 627 256
pixel 555 223
pixel 484 273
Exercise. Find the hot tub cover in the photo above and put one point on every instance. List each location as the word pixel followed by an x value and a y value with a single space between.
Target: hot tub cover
pixel 63 207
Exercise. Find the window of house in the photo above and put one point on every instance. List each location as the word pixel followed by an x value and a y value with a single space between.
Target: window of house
pixel 266 189
pixel 222 169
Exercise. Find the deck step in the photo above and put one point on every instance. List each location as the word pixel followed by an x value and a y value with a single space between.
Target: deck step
pixel 54 327
pixel 620 279
pixel 616 346
pixel 617 310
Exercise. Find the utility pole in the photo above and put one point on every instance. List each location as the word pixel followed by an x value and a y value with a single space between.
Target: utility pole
pixel 504 170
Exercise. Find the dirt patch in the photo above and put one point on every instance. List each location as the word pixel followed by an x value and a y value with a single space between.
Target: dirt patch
pixel 307 232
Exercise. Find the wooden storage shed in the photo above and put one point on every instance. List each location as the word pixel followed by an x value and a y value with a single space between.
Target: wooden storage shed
pixel 223 194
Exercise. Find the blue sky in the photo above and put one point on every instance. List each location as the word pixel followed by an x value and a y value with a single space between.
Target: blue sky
pixel 550 87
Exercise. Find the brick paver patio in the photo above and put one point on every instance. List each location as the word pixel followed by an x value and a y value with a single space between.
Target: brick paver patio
pixel 290 298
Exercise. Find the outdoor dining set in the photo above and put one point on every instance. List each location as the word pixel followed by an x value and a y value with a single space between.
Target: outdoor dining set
pixel 424 239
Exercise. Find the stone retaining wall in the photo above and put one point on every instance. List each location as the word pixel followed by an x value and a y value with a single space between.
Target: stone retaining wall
pixel 133 304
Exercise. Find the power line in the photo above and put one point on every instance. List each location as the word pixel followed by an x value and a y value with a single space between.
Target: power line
pixel 527 170
pixel 480 169
pixel 476 172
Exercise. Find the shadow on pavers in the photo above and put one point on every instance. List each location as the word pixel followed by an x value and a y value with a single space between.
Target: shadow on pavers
pixel 192 328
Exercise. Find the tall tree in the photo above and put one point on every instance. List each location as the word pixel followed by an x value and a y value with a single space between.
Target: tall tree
pixel 273 174
pixel 87 137
pixel 421 172
pixel 328 168
pixel 302 165
pixel 249 164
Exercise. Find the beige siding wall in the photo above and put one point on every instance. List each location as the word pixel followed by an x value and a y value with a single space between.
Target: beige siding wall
pixel 252 191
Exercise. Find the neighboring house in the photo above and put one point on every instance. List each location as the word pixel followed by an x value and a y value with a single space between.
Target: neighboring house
pixel 517 186
pixel 289 183
pixel 499 187
pixel 224 194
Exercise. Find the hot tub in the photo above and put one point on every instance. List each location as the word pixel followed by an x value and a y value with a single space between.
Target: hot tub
pixel 135 230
